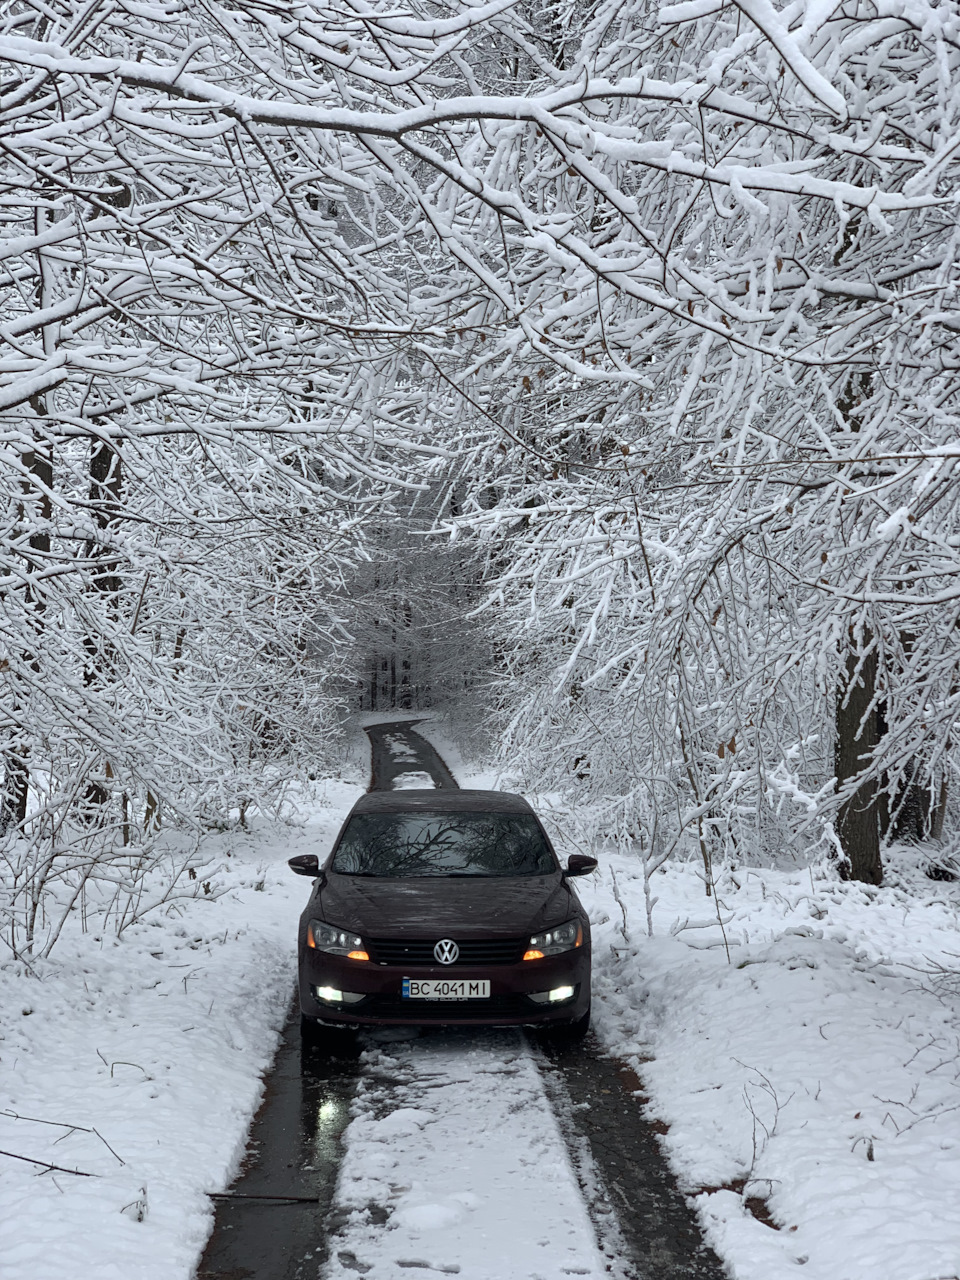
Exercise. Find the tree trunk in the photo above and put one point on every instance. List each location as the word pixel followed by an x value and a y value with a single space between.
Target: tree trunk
pixel 858 733
pixel 16 785
pixel 859 722
pixel 939 811
pixel 405 698
pixel 106 485
pixel 373 682
pixel 36 509
pixel 106 482
pixel 151 815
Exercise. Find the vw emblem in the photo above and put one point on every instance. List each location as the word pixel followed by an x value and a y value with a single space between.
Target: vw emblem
pixel 446 951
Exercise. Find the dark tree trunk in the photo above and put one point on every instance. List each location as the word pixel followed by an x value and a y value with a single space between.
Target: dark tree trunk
pixel 106 485
pixel 913 812
pixel 939 811
pixel 859 728
pixel 406 701
pixel 151 815
pixel 106 480
pixel 915 807
pixel 405 693
pixel 16 785
pixel 373 683
pixel 859 721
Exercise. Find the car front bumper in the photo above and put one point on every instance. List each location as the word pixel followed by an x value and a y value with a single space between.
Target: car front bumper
pixel 509 1003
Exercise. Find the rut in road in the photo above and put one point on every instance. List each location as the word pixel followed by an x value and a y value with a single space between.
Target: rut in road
pixel 485 1100
pixel 455 1165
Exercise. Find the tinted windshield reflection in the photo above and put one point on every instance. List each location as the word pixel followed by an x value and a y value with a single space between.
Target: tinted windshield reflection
pixel 425 844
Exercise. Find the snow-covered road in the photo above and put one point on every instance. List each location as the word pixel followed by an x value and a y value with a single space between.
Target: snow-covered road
pixel 454 1164
pixel 457 1155
pixel 806 1089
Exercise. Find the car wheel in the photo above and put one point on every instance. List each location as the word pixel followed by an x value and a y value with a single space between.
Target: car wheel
pixel 569 1033
pixel 325 1041
pixel 577 1030
pixel 310 1031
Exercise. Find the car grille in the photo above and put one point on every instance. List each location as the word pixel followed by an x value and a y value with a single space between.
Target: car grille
pixel 413 951
pixel 506 1006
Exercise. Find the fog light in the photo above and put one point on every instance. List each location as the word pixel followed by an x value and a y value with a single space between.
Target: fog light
pixel 556 996
pixel 330 995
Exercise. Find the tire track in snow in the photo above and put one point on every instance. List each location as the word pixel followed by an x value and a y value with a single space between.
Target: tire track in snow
pixel 455 1165
pixel 636 1207
pixel 293 1149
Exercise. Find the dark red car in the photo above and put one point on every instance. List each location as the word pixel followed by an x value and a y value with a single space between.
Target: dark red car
pixel 444 907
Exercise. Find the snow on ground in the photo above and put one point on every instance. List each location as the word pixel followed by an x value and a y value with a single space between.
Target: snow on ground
pixel 413 780
pixel 813 1077
pixel 454 1164
pixel 442 734
pixel 809 1084
pixel 399 748
pixel 141 1062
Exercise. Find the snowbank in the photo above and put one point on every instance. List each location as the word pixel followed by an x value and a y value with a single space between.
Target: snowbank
pixel 140 1062
pixel 809 1085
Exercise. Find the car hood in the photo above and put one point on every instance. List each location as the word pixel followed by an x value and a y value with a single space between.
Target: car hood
pixel 468 907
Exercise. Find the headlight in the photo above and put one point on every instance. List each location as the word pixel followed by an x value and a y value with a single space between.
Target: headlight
pixel 334 941
pixel 564 938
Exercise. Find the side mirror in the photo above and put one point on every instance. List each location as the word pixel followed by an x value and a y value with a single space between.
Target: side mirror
pixel 580 864
pixel 305 864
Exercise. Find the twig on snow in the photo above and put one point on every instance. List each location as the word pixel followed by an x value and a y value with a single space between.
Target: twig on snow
pixel 71 1128
pixel 58 1168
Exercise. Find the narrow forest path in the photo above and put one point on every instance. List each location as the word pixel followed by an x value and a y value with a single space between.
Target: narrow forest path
pixel 398 754
pixel 456 1158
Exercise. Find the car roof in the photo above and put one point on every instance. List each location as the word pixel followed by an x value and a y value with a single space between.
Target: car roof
pixel 441 801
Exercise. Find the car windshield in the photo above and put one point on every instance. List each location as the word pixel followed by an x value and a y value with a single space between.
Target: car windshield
pixel 443 844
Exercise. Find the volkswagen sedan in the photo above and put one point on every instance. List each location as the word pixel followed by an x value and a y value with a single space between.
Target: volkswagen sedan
pixel 444 907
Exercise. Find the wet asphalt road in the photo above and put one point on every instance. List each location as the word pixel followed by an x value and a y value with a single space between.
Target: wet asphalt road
pixel 634 1202
pixel 396 749
pixel 293 1150
pixel 644 1226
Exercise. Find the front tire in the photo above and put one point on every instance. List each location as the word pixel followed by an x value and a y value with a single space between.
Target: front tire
pixel 567 1034
pixel 310 1031
pixel 574 1032
pixel 324 1041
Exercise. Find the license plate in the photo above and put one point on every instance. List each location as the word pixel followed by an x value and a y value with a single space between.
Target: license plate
pixel 446 989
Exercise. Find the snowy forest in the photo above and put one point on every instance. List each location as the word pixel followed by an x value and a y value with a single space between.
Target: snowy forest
pixel 592 367
pixel 559 399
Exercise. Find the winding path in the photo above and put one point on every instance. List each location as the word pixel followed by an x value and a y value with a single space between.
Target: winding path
pixel 644 1228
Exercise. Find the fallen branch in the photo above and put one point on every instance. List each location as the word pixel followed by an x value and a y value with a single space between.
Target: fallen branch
pixel 57 1168
pixel 72 1128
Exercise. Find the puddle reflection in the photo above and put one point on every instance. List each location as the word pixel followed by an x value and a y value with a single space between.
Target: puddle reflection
pixel 294 1150
pixel 327 1086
